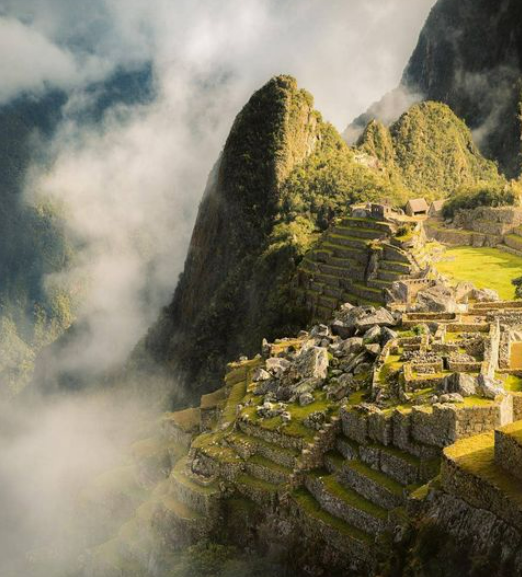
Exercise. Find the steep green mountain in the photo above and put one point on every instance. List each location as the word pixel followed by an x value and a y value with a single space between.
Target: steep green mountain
pixel 430 150
pixel 469 57
pixel 283 175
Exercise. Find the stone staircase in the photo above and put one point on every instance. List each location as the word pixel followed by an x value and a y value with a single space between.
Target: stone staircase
pixel 359 486
pixel 513 242
pixel 337 271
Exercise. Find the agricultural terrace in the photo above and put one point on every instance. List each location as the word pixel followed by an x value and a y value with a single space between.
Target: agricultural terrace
pixel 485 267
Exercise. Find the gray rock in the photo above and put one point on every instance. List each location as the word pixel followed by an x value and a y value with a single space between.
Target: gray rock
pixel 307 386
pixel 451 398
pixel 489 388
pixel 485 296
pixel 312 363
pixel 353 362
pixel 387 335
pixel 315 420
pixel 436 299
pixel 372 335
pixel 320 331
pixel 277 366
pixel 464 291
pixel 340 387
pixel 363 368
pixel 373 349
pixel 353 345
pixel 460 383
pixel 380 317
pixel 260 375
pixel 270 410
pixel 340 329
pixel 306 399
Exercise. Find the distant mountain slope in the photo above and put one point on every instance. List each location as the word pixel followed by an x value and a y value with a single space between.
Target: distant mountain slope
pixel 33 242
pixel 469 56
pixel 429 150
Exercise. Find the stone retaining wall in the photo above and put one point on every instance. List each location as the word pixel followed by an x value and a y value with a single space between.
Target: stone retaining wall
pixel 508 450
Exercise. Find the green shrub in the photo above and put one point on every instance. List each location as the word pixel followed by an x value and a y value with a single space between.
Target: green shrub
pixel 485 194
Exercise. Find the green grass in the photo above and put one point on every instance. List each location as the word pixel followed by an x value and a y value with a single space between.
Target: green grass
pixel 511 383
pixel 485 267
pixel 476 456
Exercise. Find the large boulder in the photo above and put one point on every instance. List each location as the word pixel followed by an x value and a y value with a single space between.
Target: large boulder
pixel 437 299
pixel 489 388
pixel 311 363
pixel 485 296
pixel 377 317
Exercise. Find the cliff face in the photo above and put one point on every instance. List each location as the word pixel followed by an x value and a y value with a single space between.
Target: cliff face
pixel 468 57
pixel 213 313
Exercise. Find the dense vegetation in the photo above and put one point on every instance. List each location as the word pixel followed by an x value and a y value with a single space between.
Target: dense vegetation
pixel 430 151
pixel 486 194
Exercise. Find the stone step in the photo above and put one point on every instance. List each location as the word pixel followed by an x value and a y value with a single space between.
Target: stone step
pixel 513 241
pixel 394 463
pixel 246 446
pixel 333 461
pixel 395 266
pixel 334 292
pixel 333 272
pixel 379 284
pixel 509 250
pixel 337 533
pixel 372 485
pixel 390 275
pixel 470 472
pixel 357 255
pixel 508 448
pixel 393 253
pixel 186 488
pixel 257 490
pixel 266 470
pixel 274 437
pixel 345 503
pixel 358 232
pixel 367 223
pixel 358 300
pixel 350 241
pixel 367 292
pixel 328 302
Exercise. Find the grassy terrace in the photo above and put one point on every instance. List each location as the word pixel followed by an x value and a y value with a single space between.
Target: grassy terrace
pixel 311 507
pixel 476 456
pixel 349 496
pixel 485 267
